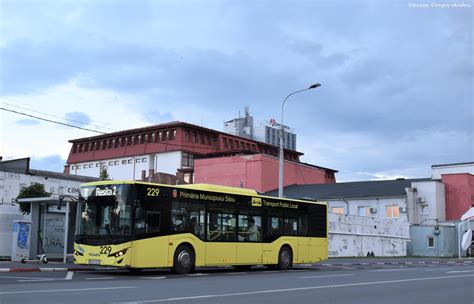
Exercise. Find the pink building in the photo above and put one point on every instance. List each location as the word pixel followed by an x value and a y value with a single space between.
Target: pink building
pixel 258 171
pixel 459 189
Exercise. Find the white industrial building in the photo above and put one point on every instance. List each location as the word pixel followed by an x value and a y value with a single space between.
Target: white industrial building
pixel 16 174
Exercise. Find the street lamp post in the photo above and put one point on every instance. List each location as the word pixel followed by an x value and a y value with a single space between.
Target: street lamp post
pixel 280 171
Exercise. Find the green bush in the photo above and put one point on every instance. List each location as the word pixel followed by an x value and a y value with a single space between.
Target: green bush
pixel 34 190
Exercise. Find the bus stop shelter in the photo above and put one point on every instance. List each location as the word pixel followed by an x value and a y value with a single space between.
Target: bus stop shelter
pixel 52 226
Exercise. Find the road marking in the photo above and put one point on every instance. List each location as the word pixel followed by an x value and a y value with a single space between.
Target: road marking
pixel 153 278
pixel 295 289
pixel 349 268
pixel 64 290
pixel 37 280
pixel 460 271
pixel 328 276
pixel 271 271
pixel 29 278
pixel 100 278
pixel 197 274
pixel 393 269
pixel 243 272
pixel 69 275
pixel 438 269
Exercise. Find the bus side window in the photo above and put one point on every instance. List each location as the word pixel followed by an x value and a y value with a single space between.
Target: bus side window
pixel 303 225
pixel 291 226
pixel 152 222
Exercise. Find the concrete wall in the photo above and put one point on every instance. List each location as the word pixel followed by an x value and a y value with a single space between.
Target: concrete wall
pixel 257 172
pixel 437 171
pixel 445 243
pixel 378 205
pixel 10 185
pixel 168 162
pixel 126 168
pixel 431 208
pixel 459 194
pixel 357 235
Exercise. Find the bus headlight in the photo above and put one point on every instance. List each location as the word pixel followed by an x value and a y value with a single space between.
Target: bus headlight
pixel 118 253
pixel 78 253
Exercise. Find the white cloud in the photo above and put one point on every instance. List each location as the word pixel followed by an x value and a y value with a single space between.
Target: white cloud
pixel 105 108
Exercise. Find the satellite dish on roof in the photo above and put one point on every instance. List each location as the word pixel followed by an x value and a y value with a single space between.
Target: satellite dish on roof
pixel 466 239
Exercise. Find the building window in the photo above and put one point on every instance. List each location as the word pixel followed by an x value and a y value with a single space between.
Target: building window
pixel 124 162
pixel 186 136
pixel 111 163
pixel 97 165
pixel 78 167
pixel 116 163
pixel 431 242
pixel 153 137
pixel 144 160
pixel 173 134
pixel 138 160
pixel 226 145
pixel 187 160
pixel 130 161
pixel 392 211
pixel 364 211
pixel 338 210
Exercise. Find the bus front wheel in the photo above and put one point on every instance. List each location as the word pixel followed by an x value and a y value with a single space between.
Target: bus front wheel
pixel 184 260
pixel 285 258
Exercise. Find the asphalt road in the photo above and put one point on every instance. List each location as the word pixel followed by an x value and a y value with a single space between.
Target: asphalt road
pixel 315 284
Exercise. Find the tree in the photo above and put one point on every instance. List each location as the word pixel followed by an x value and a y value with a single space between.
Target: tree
pixel 34 190
pixel 104 175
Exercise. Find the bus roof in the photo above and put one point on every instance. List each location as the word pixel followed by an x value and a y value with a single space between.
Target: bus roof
pixel 203 187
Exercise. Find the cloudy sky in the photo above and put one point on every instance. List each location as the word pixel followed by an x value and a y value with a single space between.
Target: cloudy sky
pixel 397 76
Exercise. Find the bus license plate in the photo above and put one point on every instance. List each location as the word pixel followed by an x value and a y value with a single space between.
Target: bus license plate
pixel 94 262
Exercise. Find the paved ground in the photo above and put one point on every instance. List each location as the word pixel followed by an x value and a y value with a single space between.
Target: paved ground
pixel 7 266
pixel 356 282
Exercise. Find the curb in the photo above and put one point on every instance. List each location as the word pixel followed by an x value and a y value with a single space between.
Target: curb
pixel 50 269
pixel 399 263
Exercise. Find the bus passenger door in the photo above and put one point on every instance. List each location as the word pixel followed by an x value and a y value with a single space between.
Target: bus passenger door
pixel 249 238
pixel 221 235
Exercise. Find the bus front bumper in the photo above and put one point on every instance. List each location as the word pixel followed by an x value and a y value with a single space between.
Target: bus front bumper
pixel 106 255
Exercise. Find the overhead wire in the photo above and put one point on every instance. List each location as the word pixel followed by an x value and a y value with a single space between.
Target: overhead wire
pixel 49 120
pixel 51 115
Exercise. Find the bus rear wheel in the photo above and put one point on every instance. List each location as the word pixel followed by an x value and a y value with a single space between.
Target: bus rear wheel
pixel 285 258
pixel 184 260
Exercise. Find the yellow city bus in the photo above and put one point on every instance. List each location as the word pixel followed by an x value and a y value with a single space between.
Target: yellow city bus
pixel 138 225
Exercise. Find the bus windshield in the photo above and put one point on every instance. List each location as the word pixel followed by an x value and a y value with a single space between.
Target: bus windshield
pixel 104 213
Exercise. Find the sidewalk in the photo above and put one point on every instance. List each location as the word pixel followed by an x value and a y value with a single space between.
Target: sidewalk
pixel 7 266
